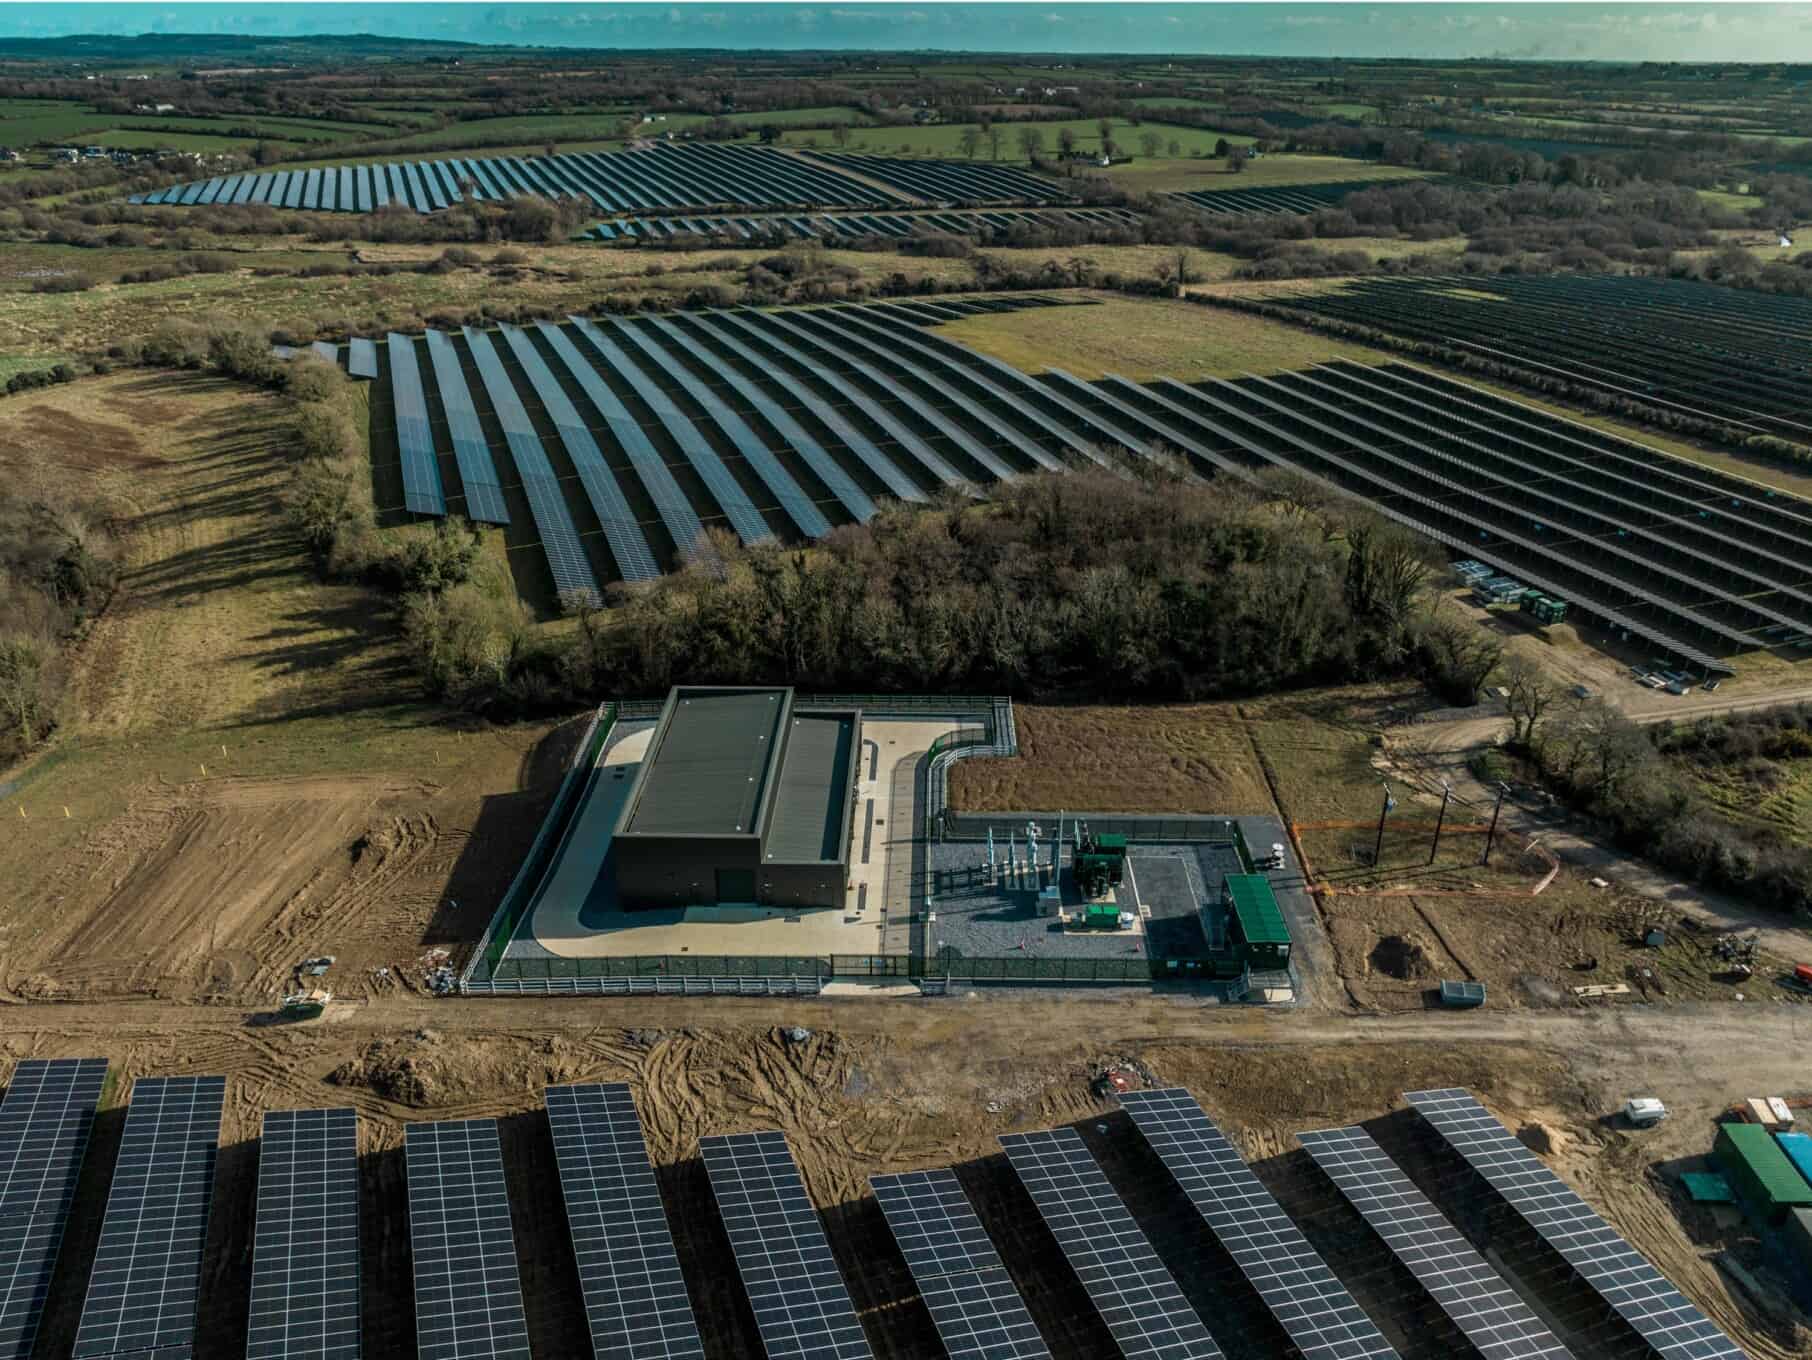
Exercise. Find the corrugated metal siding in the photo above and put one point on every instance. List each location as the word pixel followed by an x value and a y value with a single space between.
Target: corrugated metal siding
pixel 1260 919
pixel 1755 1161
pixel 806 825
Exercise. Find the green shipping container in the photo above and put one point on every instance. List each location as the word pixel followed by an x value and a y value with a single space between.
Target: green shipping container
pixel 1759 1171
pixel 1258 925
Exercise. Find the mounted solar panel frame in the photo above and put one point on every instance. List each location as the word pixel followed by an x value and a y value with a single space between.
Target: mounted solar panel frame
pixel 305 1238
pixel 471 450
pixel 1463 1283
pixel 566 559
pixel 422 490
pixel 1289 1275
pixel 145 1280
pixel 1132 1289
pixel 1622 1276
pixel 361 357
pixel 45 1122
pixel 468 1286
pixel 635 1294
pixel 978 1313
pixel 801 1305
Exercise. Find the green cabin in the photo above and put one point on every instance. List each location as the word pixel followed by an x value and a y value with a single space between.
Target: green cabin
pixel 1257 924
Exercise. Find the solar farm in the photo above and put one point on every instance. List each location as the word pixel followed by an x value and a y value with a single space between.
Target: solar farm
pixel 1680 347
pixel 613 443
pixel 830 228
pixel 1428 1232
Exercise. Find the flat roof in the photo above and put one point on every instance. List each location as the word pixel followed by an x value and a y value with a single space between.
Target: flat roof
pixel 1260 919
pixel 710 763
pixel 808 824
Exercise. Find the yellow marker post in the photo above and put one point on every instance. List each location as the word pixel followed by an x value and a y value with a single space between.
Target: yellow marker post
pixel 204 771
pixel 66 810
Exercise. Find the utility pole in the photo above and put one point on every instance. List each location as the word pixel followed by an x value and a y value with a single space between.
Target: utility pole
pixel 1491 835
pixel 1440 821
pixel 1378 849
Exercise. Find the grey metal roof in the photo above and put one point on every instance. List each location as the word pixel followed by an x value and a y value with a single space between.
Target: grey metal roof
pixel 807 824
pixel 710 765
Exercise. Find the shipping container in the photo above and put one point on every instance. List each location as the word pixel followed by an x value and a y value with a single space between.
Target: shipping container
pixel 1759 1171
pixel 1798 1147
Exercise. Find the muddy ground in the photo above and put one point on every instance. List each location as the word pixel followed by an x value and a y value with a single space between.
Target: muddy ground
pixel 891 1086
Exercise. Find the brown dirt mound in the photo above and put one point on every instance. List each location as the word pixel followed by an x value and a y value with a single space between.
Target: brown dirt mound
pixel 425 1070
pixel 1404 957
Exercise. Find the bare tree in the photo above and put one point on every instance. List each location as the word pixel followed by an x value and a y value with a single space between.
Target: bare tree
pixel 970 141
pixel 1066 139
pixel 994 134
pixel 1175 148
pixel 1237 158
pixel 1031 142
pixel 1149 142
pixel 840 134
pixel 1532 692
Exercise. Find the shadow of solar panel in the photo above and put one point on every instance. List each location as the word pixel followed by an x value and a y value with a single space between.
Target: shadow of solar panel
pixel 1621 1275
pixel 1482 1305
pixel 1130 1286
pixel 977 1311
pixel 635 1295
pixel 45 1121
pixel 573 578
pixel 471 451
pixel 305 1241
pixel 468 1289
pixel 1289 1274
pixel 802 1307
pixel 143 1287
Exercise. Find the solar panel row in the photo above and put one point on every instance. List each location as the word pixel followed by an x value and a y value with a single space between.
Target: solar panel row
pixel 1622 1276
pixel 801 1305
pixel 45 1121
pixel 1306 1297
pixel 977 1311
pixel 822 227
pixel 305 1248
pixel 471 450
pixel 143 1288
pixel 422 493
pixel 1130 1286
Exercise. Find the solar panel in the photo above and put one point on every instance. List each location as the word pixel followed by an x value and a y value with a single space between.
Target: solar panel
pixel 635 1295
pixel 1482 1305
pixel 468 1290
pixel 628 545
pixel 361 358
pixel 977 1311
pixel 44 1125
pixel 305 1252
pixel 801 1305
pixel 422 492
pixel 1289 1275
pixel 478 474
pixel 1135 1294
pixel 1620 1274
pixel 573 578
pixel 142 1291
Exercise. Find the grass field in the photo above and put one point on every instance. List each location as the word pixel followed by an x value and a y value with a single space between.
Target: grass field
pixel 945 139
pixel 1264 173
pixel 1141 340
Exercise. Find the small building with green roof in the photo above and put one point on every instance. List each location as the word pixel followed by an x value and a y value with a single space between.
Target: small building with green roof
pixel 1256 923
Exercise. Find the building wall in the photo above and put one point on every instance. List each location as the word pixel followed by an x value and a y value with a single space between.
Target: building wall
pixel 803 885
pixel 666 872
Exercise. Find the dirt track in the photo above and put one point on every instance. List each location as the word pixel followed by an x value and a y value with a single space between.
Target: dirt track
pixel 890 1085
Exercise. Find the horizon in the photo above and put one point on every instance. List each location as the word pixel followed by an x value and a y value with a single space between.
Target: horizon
pixel 1562 32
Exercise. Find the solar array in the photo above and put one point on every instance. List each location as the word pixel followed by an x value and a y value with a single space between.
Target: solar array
pixel 147 1267
pixel 573 578
pixel 635 1296
pixel 44 1125
pixel 1135 1294
pixel 1478 1300
pixel 1289 1274
pixel 802 1307
pixel 422 493
pixel 1285 199
pixel 664 177
pixel 949 181
pixel 1620 1274
pixel 361 358
pixel 472 452
pixel 977 1311
pixel 305 1246
pixel 999 222
pixel 468 1289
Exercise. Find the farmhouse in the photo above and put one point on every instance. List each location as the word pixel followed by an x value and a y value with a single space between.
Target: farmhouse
pixel 743 798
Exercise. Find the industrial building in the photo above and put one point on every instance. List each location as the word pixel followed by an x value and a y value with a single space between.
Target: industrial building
pixel 742 799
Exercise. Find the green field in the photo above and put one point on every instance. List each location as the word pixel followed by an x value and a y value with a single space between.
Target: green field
pixel 945 139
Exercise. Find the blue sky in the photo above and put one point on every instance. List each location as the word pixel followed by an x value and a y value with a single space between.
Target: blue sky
pixel 1618 32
